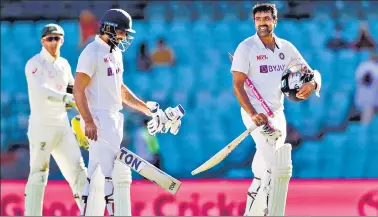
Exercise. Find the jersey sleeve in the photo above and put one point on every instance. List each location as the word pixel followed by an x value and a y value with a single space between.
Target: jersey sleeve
pixel 36 81
pixel 86 62
pixel 240 61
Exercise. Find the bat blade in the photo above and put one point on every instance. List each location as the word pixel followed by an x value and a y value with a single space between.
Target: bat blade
pixel 222 154
pixel 148 170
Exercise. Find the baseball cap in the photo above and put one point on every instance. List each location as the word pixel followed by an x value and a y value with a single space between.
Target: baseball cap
pixel 52 29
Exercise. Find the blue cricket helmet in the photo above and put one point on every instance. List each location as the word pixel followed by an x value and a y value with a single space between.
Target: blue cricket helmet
pixel 117 19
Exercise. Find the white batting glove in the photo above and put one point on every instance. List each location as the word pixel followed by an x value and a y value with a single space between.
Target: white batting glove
pixel 68 98
pixel 159 118
pixel 174 116
pixel 270 132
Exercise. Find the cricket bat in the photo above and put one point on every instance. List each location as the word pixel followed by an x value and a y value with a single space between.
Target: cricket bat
pixel 148 170
pixel 222 154
pixel 138 164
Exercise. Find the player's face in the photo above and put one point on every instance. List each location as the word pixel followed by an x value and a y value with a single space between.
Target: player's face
pixel 264 23
pixel 121 35
pixel 52 43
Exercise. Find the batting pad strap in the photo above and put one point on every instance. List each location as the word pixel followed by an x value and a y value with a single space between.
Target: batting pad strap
pixel 278 172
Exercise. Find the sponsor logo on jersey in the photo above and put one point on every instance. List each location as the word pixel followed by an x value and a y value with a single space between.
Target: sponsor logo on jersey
pixel 110 72
pixel 107 59
pixel 272 68
pixel 261 57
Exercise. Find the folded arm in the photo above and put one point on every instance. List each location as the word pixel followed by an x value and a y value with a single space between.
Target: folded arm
pixel 35 80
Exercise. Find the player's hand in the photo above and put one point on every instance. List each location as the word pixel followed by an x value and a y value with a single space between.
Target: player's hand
pixel 305 91
pixel 68 98
pixel 271 132
pixel 174 116
pixel 91 130
pixel 159 118
pixel 82 140
pixel 259 119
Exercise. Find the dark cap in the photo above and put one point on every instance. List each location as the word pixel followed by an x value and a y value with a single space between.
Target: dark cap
pixel 52 29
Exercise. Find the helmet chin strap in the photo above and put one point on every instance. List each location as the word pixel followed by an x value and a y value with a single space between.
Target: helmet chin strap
pixel 112 46
pixel 114 43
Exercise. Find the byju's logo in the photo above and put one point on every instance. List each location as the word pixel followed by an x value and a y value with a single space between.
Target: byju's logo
pixel 274 68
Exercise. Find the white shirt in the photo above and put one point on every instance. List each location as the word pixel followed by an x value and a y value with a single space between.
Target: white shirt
pixel 264 68
pixel 47 80
pixel 106 70
pixel 366 94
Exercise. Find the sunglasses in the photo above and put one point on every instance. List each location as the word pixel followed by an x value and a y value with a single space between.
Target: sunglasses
pixel 53 38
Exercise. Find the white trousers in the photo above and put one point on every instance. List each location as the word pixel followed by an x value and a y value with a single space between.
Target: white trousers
pixel 103 152
pixel 59 142
pixel 264 151
pixel 102 155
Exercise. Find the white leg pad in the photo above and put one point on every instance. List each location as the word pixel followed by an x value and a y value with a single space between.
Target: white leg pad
pixel 78 185
pixel 34 193
pixel 281 172
pixel 255 203
pixel 93 197
pixel 121 182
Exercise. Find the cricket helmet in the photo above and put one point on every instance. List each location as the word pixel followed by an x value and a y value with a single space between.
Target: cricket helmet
pixel 114 19
pixel 294 76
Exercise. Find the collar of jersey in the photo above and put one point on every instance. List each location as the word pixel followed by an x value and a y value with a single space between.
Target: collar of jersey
pixel 262 45
pixel 46 55
pixel 101 42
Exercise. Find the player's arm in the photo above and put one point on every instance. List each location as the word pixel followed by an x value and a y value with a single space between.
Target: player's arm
pixel 239 79
pixel 131 100
pixel 81 83
pixel 84 71
pixel 239 69
pixel 161 121
pixel 35 80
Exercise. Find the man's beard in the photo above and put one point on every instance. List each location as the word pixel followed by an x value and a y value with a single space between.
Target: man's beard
pixel 264 32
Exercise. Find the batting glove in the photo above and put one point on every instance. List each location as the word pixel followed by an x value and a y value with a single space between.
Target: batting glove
pixel 270 132
pixel 81 138
pixel 68 98
pixel 174 116
pixel 159 118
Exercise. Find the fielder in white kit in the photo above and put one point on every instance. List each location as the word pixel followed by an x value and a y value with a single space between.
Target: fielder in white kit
pixel 48 76
pixel 99 93
pixel 263 58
